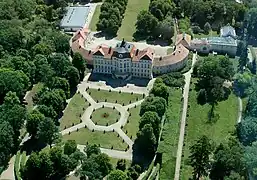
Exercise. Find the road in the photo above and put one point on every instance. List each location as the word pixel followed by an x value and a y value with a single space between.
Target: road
pixel 183 119
pixel 8 174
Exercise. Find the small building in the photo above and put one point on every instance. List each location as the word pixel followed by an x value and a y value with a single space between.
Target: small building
pixel 225 44
pixel 75 18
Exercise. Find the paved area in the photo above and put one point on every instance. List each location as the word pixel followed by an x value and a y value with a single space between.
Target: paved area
pixel 95 41
pixel 124 114
pixel 103 86
pixel 8 174
pixel 183 119
pixel 91 13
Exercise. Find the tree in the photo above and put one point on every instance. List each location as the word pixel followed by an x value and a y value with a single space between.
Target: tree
pixel 33 121
pixel 104 163
pixel 38 166
pixel 146 23
pixel 160 89
pixel 48 131
pixel 145 142
pixel 242 82
pixel 212 73
pixel 155 104
pixel 43 48
pixel 15 81
pixel 70 147
pixel 44 70
pixel 161 8
pixel 61 83
pixel 55 98
pixel 47 111
pixel 153 119
pixel 207 28
pixel 92 150
pixel 72 75
pixel 227 160
pixel 6 142
pixel 117 175
pixel 134 171
pixel 121 164
pixel 252 22
pixel 199 157
pixel 89 169
pixel 250 158
pixel 247 130
pixel 79 63
pixel 165 29
pixel 60 41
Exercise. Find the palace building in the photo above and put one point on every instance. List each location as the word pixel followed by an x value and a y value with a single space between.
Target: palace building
pixel 126 61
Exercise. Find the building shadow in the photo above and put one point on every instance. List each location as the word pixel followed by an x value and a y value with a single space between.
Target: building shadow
pixel 96 77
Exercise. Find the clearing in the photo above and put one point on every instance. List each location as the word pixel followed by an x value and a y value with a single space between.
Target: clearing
pixel 128 27
pixel 198 125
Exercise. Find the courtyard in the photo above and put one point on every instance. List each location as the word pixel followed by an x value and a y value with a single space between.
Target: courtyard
pixel 108 117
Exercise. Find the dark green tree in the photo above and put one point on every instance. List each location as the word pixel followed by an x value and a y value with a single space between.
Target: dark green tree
pixel 33 121
pixel 117 175
pixel 79 63
pixel 152 118
pixel 92 150
pixel 200 157
pixel 70 147
pixel 121 164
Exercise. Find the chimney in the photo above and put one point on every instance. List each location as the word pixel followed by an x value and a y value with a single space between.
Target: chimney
pixel 110 49
pixel 89 52
pixel 137 52
pixel 160 58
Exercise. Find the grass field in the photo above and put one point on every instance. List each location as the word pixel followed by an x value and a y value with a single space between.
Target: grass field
pixel 201 35
pixel 73 111
pixel 199 125
pixel 114 96
pixel 105 115
pixel 128 27
pixel 133 122
pixel 95 18
pixel 106 140
pixel 170 136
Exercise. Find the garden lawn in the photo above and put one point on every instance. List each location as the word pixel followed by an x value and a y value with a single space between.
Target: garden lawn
pixel 199 125
pixel 73 111
pixel 105 115
pixel 95 18
pixel 114 96
pixel 128 27
pixel 106 140
pixel 132 125
pixel 201 35
pixel 170 134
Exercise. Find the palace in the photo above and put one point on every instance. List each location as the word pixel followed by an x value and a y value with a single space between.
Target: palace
pixel 126 61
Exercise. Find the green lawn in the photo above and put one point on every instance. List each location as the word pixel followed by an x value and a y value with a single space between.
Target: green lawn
pixel 114 96
pixel 133 122
pixel 95 18
pixel 170 135
pixel 128 28
pixel 36 88
pixel 73 111
pixel 201 35
pixel 199 125
pixel 106 140
pixel 105 115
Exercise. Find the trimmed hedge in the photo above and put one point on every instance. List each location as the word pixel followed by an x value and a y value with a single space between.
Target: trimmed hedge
pixel 23 159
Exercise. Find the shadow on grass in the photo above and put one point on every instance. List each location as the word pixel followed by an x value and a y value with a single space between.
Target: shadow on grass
pixel 105 35
pixel 117 82
pixel 32 145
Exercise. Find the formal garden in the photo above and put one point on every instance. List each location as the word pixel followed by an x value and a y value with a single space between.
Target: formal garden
pixel 105 116
pixel 117 97
pixel 73 112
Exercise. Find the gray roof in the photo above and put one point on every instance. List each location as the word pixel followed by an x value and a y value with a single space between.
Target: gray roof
pixel 222 41
pixel 227 31
pixel 75 17
pixel 123 47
